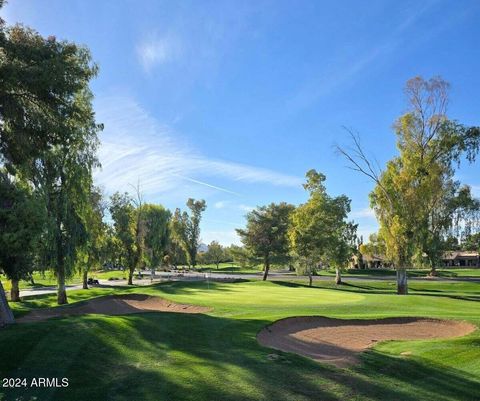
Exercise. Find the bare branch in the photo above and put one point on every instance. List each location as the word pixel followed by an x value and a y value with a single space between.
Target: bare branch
pixel 360 162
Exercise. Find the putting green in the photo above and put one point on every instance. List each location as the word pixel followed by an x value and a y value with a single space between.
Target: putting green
pixel 256 293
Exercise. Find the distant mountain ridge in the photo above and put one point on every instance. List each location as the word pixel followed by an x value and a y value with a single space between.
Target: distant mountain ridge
pixel 202 247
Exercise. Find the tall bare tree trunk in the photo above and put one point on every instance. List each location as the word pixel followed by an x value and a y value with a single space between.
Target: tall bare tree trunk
pixel 266 265
pixel 6 315
pixel 85 279
pixel 338 276
pixel 61 290
pixel 402 284
pixel 15 291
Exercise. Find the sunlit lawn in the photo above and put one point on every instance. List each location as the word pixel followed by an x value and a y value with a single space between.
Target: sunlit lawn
pixel 167 356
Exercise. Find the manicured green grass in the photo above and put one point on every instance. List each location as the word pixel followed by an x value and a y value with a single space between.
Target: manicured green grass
pixel 109 274
pixel 43 279
pixel 232 268
pixel 453 272
pixel 215 356
pixel 48 279
pixel 455 290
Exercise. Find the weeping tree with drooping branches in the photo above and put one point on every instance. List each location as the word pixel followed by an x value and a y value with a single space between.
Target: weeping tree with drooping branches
pixel 22 216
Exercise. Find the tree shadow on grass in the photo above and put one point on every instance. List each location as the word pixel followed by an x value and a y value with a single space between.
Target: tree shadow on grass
pixel 291 284
pixel 201 357
pixel 441 293
pixel 413 291
pixel 347 287
pixel 474 298
pixel 425 378
pixel 367 289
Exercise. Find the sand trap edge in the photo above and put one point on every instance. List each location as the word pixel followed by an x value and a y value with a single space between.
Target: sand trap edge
pixel 351 357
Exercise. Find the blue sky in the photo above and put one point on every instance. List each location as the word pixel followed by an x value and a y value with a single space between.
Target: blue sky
pixel 233 101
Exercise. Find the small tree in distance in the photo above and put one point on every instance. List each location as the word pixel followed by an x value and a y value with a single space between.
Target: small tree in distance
pixel 215 253
pixel 186 228
pixel 157 220
pixel 124 222
pixel 266 232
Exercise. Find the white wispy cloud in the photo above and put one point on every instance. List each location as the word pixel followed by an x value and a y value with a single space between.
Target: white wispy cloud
pixel 245 208
pixel 136 148
pixel 220 204
pixel 363 213
pixel 155 50
pixel 475 190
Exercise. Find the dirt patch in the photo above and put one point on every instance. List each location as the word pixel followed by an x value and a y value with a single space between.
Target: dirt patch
pixel 339 341
pixel 114 305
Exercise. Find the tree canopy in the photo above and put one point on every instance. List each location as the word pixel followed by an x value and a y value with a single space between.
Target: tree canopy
pixel 186 228
pixel 266 232
pixel 416 197
pixel 21 224
pixel 319 231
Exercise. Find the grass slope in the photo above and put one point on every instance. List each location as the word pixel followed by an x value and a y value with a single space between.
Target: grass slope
pixel 161 356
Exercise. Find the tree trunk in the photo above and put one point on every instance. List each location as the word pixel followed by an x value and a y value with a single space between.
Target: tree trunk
pixel 85 279
pixel 433 271
pixel 266 266
pixel 130 275
pixel 338 276
pixel 402 285
pixel 193 259
pixel 15 292
pixel 310 278
pixel 61 290
pixel 57 213
pixel 6 315
pixel 32 281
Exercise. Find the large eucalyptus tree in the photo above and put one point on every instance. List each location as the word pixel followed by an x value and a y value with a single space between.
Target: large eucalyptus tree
pixel 416 197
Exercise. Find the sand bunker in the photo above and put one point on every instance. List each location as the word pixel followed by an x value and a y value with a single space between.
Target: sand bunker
pixel 339 341
pixel 114 305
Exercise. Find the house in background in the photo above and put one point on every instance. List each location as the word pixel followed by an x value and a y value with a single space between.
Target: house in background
pixel 369 262
pixel 375 261
pixel 461 259
pixel 449 259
